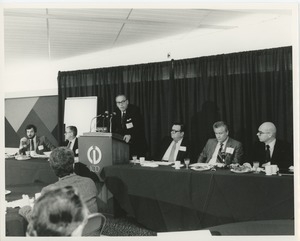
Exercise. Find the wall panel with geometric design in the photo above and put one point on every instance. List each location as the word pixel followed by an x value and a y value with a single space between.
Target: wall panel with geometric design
pixel 40 111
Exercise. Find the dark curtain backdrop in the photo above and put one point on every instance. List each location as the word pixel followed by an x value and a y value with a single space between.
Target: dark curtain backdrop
pixel 244 89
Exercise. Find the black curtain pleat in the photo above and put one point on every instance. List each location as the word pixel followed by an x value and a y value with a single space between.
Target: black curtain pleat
pixel 244 89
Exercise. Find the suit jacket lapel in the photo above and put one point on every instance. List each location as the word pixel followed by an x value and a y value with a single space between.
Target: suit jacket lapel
pixel 212 149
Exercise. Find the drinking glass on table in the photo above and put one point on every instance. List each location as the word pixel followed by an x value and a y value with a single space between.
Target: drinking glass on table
pixel 256 166
pixel 187 162
pixel 134 158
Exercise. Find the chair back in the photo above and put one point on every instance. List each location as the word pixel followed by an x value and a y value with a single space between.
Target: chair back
pixel 94 225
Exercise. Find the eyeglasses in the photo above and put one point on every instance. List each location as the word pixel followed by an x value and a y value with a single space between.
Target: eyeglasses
pixel 261 132
pixel 68 132
pixel 174 131
pixel 121 102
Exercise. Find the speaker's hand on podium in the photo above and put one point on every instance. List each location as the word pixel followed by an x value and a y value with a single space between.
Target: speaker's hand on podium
pixel 127 138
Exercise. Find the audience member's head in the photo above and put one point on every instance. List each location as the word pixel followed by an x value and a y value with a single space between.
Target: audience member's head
pixel 177 131
pixel 61 161
pixel 221 131
pixel 58 212
pixel 122 102
pixel 30 131
pixel 266 132
pixel 71 132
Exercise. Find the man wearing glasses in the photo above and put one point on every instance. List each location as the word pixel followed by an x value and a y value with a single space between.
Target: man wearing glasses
pixel 72 143
pixel 269 149
pixel 222 150
pixel 71 139
pixel 128 122
pixel 174 147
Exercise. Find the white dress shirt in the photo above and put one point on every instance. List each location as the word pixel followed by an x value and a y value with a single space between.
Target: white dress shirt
pixel 168 151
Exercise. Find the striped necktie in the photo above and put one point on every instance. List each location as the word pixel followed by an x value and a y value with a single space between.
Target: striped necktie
pixel 219 158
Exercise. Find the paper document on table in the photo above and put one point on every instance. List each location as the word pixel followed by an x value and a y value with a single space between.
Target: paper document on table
pixel 162 163
pixel 149 164
pixel 39 156
pixel 20 202
pixel 200 164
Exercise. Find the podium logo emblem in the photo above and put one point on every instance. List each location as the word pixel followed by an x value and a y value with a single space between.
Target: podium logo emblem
pixel 94 155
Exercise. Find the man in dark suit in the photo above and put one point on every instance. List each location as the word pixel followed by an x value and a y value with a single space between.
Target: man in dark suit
pixel 222 150
pixel 32 142
pixel 72 143
pixel 175 147
pixel 128 122
pixel 269 149
pixel 71 139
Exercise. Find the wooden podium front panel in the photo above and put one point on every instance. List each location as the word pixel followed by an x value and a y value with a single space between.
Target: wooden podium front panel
pixel 95 152
pixel 98 150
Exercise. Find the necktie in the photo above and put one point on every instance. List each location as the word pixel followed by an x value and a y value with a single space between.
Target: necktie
pixel 31 145
pixel 268 154
pixel 123 119
pixel 172 153
pixel 69 145
pixel 219 158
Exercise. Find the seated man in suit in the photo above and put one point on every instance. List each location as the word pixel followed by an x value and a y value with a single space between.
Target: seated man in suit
pixel 222 150
pixel 269 149
pixel 61 161
pixel 174 147
pixel 32 142
pixel 71 139
pixel 72 143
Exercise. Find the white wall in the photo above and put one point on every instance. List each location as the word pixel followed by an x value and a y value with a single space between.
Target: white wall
pixel 37 78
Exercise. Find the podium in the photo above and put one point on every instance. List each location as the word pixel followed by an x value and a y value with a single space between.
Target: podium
pixel 100 149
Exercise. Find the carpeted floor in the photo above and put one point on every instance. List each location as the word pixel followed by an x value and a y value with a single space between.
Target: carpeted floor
pixel 125 227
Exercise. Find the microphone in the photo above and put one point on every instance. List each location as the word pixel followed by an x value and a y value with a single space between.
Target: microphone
pixel 105 116
pixel 110 121
pixel 92 121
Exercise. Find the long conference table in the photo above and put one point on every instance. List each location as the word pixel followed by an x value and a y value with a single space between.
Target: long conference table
pixel 24 177
pixel 165 199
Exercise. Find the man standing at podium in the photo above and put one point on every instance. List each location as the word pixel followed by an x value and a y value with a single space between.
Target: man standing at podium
pixel 129 123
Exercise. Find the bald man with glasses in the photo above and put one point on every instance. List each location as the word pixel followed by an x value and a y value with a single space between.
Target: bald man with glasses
pixel 174 147
pixel 129 123
pixel 270 150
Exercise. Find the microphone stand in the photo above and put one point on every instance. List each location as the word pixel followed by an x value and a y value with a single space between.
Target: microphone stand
pixel 104 127
pixel 92 121
pixel 110 121
pixel 103 120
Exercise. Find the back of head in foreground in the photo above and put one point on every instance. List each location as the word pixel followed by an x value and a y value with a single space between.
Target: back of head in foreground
pixel 61 161
pixel 59 212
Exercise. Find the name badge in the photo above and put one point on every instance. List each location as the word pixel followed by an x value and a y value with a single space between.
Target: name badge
pixel 129 125
pixel 182 148
pixel 229 150
pixel 41 147
pixel 76 151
